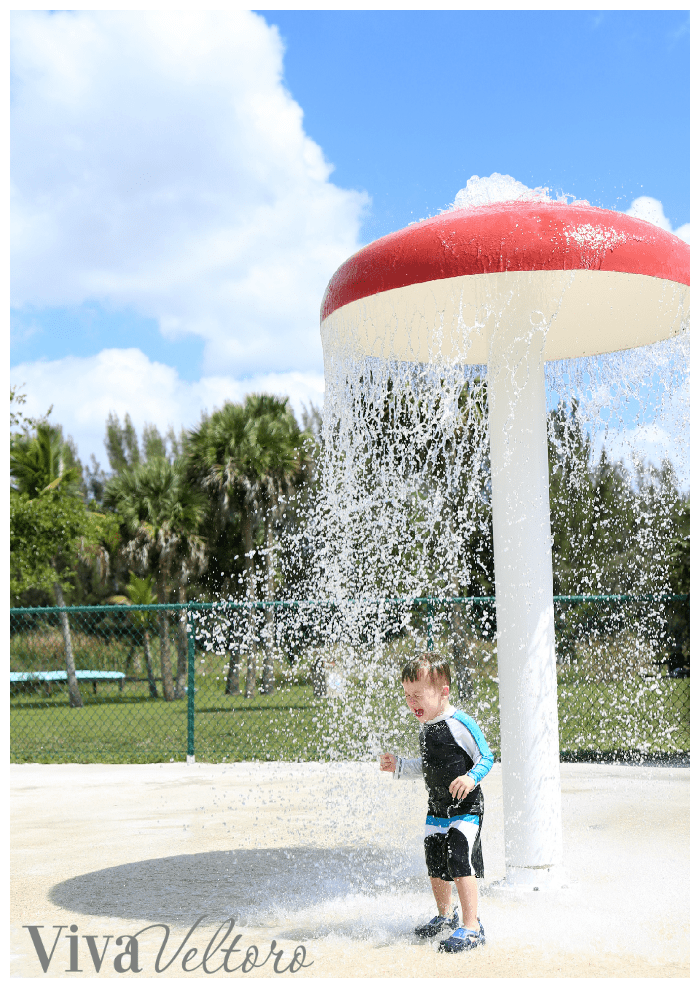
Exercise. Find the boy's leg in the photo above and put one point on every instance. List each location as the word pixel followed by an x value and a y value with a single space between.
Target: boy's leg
pixel 443 895
pixel 468 892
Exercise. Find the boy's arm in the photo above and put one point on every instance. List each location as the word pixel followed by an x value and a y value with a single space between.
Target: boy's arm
pixel 408 768
pixel 468 734
pixel 402 768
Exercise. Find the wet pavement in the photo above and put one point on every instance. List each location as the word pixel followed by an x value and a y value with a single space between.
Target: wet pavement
pixel 326 861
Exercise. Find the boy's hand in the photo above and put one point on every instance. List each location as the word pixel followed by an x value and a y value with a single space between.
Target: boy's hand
pixel 387 762
pixel 461 786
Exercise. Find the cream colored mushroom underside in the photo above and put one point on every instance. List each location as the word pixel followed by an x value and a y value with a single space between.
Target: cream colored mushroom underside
pixel 585 312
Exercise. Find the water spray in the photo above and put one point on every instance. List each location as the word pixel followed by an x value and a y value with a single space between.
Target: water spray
pixel 501 288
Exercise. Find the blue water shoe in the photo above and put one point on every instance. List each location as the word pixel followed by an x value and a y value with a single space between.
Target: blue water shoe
pixel 463 939
pixel 438 924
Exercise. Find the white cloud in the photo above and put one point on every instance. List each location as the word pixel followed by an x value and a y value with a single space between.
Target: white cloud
pixel 160 164
pixel 84 390
pixel 650 444
pixel 652 210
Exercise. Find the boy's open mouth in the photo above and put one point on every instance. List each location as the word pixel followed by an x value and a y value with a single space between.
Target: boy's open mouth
pixel 419 712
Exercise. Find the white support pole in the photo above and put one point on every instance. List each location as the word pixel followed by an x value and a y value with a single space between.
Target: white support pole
pixel 524 609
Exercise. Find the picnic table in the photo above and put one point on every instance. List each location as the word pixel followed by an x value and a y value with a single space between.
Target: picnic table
pixel 61 676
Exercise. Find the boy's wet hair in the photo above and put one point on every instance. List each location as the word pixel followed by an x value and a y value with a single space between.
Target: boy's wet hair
pixel 436 667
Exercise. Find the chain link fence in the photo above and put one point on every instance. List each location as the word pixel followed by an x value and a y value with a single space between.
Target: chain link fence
pixel 308 680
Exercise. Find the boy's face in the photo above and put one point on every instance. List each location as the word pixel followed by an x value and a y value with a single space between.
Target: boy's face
pixel 426 699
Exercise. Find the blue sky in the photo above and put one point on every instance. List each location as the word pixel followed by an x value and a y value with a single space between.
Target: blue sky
pixel 185 185
pixel 408 105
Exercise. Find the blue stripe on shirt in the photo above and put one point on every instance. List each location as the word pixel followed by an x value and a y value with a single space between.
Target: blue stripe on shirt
pixel 444 821
pixel 482 767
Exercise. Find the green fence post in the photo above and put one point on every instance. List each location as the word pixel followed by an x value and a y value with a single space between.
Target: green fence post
pixel 190 693
pixel 430 624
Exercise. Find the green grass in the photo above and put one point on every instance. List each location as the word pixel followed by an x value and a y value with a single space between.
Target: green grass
pixel 648 716
pixel 137 729
pixel 293 725
pixel 603 708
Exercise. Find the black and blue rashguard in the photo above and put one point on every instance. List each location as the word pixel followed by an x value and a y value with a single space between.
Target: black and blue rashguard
pixel 451 745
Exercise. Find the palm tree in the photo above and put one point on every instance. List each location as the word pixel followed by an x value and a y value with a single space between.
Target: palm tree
pixel 38 466
pixel 140 591
pixel 42 461
pixel 251 457
pixel 161 515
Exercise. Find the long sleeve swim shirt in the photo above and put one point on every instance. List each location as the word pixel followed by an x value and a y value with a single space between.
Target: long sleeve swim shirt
pixel 451 745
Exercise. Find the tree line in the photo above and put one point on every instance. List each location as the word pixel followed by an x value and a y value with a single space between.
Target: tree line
pixel 195 516
pixel 206 514
pixel 196 513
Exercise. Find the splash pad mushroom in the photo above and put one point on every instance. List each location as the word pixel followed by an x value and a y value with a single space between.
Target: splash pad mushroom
pixel 512 285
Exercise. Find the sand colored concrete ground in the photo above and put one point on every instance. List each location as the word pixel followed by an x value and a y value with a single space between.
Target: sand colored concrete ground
pixel 330 857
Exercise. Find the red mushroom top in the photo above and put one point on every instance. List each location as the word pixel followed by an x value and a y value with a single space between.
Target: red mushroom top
pixel 509 237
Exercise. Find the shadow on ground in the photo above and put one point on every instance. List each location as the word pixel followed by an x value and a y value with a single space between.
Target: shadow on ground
pixel 251 886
